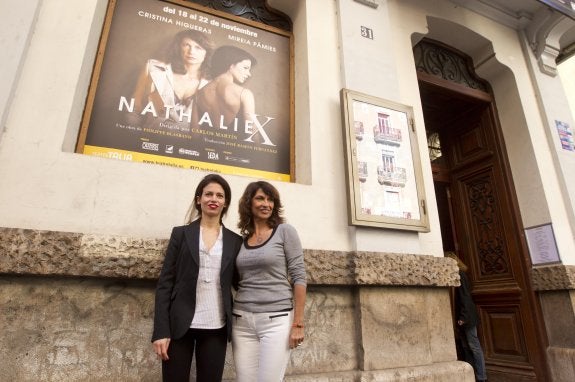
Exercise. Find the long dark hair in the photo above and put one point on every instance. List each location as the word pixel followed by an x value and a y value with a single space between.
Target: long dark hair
pixel 174 52
pixel 195 209
pixel 227 55
pixel 246 223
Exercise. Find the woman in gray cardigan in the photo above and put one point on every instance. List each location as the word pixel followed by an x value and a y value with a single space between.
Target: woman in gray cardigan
pixel 269 305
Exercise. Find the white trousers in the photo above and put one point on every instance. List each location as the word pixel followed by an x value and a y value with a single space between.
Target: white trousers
pixel 260 342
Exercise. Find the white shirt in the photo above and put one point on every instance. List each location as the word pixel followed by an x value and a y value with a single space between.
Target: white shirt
pixel 209 305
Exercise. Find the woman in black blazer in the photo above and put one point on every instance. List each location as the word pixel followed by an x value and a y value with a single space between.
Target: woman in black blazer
pixel 193 309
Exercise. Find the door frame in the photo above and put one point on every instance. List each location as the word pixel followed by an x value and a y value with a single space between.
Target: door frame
pixel 462 91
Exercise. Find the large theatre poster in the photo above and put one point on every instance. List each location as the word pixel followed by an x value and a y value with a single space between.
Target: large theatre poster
pixel 181 85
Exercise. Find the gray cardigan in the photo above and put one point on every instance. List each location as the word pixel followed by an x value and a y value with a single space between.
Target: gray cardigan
pixel 267 271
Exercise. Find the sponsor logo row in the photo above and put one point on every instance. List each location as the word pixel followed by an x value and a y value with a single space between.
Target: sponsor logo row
pixel 212 155
pixel 169 149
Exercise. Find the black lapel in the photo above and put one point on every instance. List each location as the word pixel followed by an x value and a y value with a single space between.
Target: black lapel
pixel 227 250
pixel 192 233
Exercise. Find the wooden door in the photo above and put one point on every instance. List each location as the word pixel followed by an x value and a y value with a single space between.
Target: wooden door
pixel 485 229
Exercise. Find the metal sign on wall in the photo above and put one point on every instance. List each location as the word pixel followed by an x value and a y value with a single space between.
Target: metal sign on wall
pixel 186 86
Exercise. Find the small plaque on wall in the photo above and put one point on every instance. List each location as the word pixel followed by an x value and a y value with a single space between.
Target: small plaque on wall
pixel 542 245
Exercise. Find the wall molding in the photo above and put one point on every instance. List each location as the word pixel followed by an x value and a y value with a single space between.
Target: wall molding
pixel 553 277
pixel 54 253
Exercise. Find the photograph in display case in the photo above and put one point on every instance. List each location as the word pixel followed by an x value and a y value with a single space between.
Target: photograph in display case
pixel 385 187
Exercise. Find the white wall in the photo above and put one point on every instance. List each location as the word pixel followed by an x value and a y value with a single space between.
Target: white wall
pixel 16 24
pixel 376 67
pixel 558 164
pixel 567 75
pixel 47 186
pixel 499 54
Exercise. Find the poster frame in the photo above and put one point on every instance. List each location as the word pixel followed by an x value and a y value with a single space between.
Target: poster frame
pixel 98 71
pixel 413 185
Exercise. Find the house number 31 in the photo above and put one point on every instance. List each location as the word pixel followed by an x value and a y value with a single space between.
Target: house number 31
pixel 366 32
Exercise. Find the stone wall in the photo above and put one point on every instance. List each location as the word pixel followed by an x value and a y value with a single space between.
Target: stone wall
pixel 80 308
pixel 34 252
pixel 78 329
pixel 553 277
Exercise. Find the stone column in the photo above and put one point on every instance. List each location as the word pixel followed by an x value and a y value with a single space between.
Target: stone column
pixel 555 285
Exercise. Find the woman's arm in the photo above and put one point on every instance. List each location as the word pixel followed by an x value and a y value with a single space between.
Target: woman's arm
pixel 297 330
pixel 296 270
pixel 161 334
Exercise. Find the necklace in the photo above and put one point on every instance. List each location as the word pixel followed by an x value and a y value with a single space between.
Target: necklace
pixel 261 237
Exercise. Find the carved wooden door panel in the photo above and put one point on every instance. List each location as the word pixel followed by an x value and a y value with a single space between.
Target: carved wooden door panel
pixel 489 241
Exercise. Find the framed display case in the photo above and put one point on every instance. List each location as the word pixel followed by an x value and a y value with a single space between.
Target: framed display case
pixel 385 187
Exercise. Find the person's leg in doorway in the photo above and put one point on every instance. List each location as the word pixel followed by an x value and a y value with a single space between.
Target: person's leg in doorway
pixel 477 351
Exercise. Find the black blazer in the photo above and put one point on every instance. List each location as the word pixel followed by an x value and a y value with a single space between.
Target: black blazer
pixel 176 289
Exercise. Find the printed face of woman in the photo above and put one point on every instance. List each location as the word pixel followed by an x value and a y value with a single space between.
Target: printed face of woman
pixel 191 51
pixel 212 201
pixel 262 205
pixel 241 71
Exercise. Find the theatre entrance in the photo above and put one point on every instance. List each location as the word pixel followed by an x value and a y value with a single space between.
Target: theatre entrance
pixel 478 211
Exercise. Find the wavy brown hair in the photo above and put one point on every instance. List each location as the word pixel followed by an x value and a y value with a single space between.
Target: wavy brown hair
pixel 246 223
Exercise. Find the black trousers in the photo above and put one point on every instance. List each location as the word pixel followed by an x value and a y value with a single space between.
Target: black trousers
pixel 210 346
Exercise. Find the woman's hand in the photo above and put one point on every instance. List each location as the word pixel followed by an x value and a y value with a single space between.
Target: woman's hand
pixel 296 337
pixel 161 348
